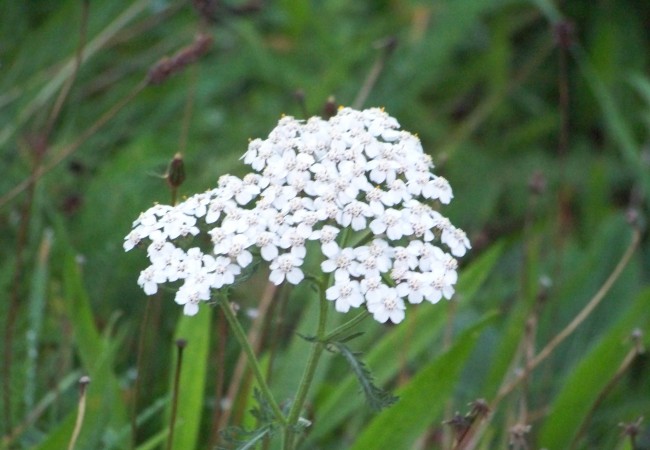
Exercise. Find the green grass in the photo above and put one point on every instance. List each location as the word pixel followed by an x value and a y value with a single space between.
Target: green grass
pixel 480 83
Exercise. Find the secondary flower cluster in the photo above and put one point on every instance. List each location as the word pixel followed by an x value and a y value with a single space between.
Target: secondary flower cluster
pixel 353 178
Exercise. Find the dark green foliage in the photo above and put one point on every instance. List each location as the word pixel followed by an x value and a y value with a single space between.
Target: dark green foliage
pixel 542 183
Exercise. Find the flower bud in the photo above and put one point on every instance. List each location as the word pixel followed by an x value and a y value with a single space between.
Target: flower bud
pixel 176 171
pixel 329 109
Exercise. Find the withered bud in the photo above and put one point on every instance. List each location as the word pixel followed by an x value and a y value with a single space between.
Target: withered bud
pixel 637 340
pixel 213 11
pixel 176 171
pixel 299 96
pixel 250 7
pixel 207 9
pixel 388 44
pixel 329 109
pixel 84 381
pixel 38 145
pixel 564 32
pixel 537 183
pixel 518 434
pixel 460 425
pixel 181 343
pixel 634 218
pixel 632 429
pixel 168 66
pixel 545 284
pixel 480 409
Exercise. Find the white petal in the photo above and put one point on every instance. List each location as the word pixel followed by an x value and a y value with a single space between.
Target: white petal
pixel 269 252
pixel 342 306
pixel 276 277
pixel 295 276
pixel 190 309
pixel 397 315
pixel 328 266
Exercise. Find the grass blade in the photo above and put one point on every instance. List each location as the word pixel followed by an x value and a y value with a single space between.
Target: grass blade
pixel 400 425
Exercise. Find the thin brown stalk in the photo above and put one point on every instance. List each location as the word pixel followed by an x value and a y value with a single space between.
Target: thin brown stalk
pixel 448 436
pixel 273 331
pixel 563 40
pixel 81 412
pixel 139 371
pixel 180 345
pixel 387 46
pixel 187 111
pixel 65 91
pixel 37 412
pixel 222 339
pixel 528 353
pixel 578 319
pixel 271 334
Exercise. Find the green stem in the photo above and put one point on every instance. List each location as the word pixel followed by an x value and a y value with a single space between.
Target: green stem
pixel 240 335
pixel 307 376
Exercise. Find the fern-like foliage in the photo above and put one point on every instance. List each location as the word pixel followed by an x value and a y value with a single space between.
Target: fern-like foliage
pixel 241 439
pixel 376 397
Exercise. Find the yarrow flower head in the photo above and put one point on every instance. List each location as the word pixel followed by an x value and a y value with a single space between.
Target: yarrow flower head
pixel 355 184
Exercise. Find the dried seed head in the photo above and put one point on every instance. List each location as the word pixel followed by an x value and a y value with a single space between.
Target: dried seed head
pixel 631 429
pixel 460 425
pixel 480 409
pixel 168 66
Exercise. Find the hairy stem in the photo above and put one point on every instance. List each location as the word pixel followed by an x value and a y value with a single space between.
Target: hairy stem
pixel 240 335
pixel 343 328
pixel 240 376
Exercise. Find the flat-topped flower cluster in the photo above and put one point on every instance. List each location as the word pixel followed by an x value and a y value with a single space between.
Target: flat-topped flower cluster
pixel 355 177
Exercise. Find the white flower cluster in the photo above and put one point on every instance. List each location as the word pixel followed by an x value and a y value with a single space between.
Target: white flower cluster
pixel 312 180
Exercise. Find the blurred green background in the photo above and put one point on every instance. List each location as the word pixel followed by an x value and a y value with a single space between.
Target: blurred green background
pixel 537 112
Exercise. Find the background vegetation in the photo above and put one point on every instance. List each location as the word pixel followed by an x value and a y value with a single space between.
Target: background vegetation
pixel 538 114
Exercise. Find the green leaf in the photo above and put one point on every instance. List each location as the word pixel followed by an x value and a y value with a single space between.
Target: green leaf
pixel 400 425
pixel 36 308
pixel 590 375
pixel 105 407
pixel 155 441
pixel 290 364
pixel 473 276
pixel 195 331
pixel 59 437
